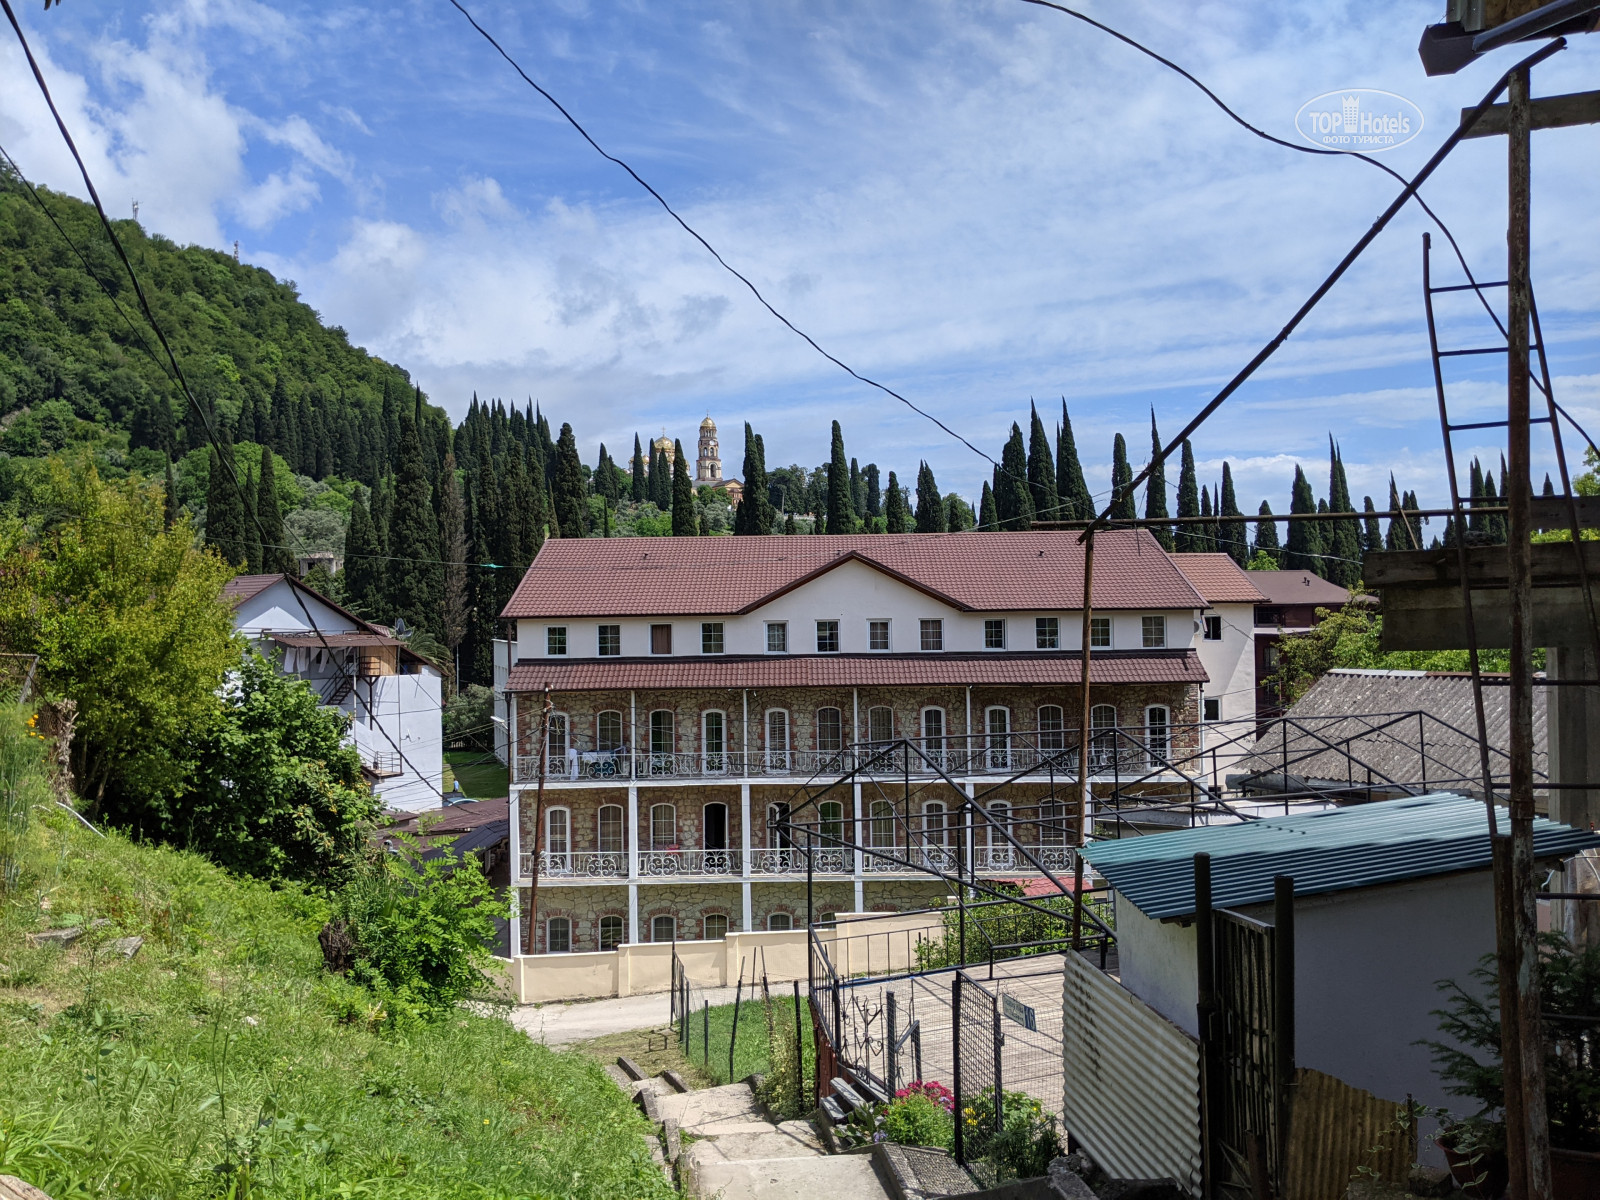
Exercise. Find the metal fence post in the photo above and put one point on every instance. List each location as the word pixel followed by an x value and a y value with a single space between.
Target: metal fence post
pixel 705 1031
pixel 1205 981
pixel 1283 1010
pixel 800 1053
pixel 890 1046
pixel 999 1090
pixel 955 1074
pixel 733 1038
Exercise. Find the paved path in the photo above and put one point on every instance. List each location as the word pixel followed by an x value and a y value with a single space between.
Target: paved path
pixel 563 1024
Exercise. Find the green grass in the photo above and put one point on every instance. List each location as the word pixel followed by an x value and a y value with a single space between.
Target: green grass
pixel 750 1054
pixel 482 776
pixel 222 1061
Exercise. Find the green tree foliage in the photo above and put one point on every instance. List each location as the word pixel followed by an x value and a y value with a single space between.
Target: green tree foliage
pixel 1371 532
pixel 1230 529
pixel 896 513
pixel 685 520
pixel 414 586
pixel 754 515
pixel 957 513
pixel 1122 502
pixel 1343 538
pixel 639 483
pixel 1041 471
pixel 1187 538
pixel 1076 503
pixel 841 512
pixel 1013 497
pixel 858 491
pixel 660 479
pixel 276 556
pixel 228 530
pixel 874 508
pixel 1206 531
pixel 988 518
pixel 452 516
pixel 1304 549
pixel 1266 545
pixel 364 566
pixel 127 619
pixel 276 791
pixel 930 504
pixel 1155 489
pixel 567 488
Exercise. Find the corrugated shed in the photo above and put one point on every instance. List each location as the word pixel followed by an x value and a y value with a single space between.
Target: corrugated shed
pixel 1348 704
pixel 855 670
pixel 1131 1081
pixel 1332 851
pixel 975 571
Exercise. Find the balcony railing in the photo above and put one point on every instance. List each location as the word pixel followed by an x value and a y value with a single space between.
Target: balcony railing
pixel 789 861
pixel 670 863
pixel 1126 752
pixel 582 864
pixel 654 864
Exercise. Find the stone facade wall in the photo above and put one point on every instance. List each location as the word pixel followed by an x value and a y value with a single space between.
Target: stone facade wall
pixel 583 906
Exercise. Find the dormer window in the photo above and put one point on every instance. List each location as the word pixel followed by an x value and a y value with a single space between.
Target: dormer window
pixel 1154 631
pixel 555 640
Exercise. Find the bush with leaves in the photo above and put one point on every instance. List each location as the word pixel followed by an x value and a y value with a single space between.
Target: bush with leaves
pixel 420 927
pixel 24 782
pixel 1025 1143
pixel 467 718
pixel 914 1118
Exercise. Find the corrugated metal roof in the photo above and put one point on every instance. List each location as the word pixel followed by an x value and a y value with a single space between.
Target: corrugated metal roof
pixel 1333 851
pixel 1354 704
pixel 855 670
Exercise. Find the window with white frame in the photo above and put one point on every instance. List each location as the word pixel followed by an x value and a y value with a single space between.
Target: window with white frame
pixel 610 932
pixel 1153 629
pixel 780 922
pixel 1047 633
pixel 877 635
pixel 777 739
pixel 663 732
pixel 711 637
pixel 830 730
pixel 1213 629
pixel 609 641
pixel 714 741
pixel 994 633
pixel 1213 709
pixel 1052 823
pixel 558 838
pixel 663 929
pixel 716 926
pixel 558 936
pixel 1052 732
pixel 714 826
pixel 931 631
pixel 1102 734
pixel 1099 633
pixel 880 724
pixel 777 637
pixel 933 732
pixel 1157 732
pixel 663 827
pixel 558 739
pixel 827 637
pixel 608 730
pixel 999 823
pixel 609 829
pixel 830 813
pixel 778 827
pixel 997 735
pixel 933 823
pixel 880 832
pixel 555 639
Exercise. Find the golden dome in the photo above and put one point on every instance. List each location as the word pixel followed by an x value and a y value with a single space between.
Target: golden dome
pixel 708 423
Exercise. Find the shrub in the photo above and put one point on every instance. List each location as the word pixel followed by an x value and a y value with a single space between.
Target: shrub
pixel 467 718
pixel 24 782
pixel 915 1119
pixel 1026 1142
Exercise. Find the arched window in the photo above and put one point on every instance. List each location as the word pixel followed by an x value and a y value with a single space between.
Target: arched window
pixel 1158 734
pixel 663 827
pixel 714 826
pixel 608 731
pixel 777 830
pixel 1052 823
pixel 780 922
pixel 831 813
pixel 663 732
pixel 880 724
pixel 999 819
pixel 882 823
pixel 714 742
pixel 1102 735
pixel 830 731
pixel 935 829
pixel 558 838
pixel 1052 735
pixel 610 932
pixel 997 737
pixel 777 740
pixel 558 936
pixel 558 742
pixel 664 929
pixel 716 926
pixel 933 744
pixel 609 829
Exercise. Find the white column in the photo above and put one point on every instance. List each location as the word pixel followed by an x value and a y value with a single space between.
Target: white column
pixel 744 847
pixel 516 830
pixel 861 858
pixel 633 737
pixel 633 863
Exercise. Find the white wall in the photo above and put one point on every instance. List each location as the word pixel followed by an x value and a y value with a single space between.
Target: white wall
pixel 402 715
pixel 1367 965
pixel 1230 666
pixel 275 610
pixel 502 707
pixel 852 594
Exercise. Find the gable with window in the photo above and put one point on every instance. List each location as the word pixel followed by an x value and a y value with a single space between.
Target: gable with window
pixel 1099 633
pixel 1047 633
pixel 1153 630
pixel 711 637
pixel 931 633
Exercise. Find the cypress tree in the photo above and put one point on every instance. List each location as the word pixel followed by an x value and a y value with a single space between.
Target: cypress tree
pixel 1303 549
pixel 567 490
pixel 252 539
pixel 1475 498
pixel 1398 537
pixel 987 517
pixel 641 481
pixel 363 562
pixel 1155 489
pixel 930 504
pixel 414 585
pixel 1073 489
pixel 226 528
pixel 1549 488
pixel 754 514
pixel 896 515
pixel 858 491
pixel 660 479
pixel 169 506
pixel 1267 535
pixel 788 524
pixel 1343 540
pixel 1494 524
pixel 1415 522
pixel 276 557
pixel 1123 507
pixel 1188 536
pixel 1208 529
pixel 1230 529
pixel 538 505
pixel 957 514
pixel 841 517
pixel 1041 471
pixel 875 495
pixel 685 521
pixel 1372 536
pixel 452 516
pixel 1013 496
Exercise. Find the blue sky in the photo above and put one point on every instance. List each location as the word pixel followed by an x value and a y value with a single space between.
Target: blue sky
pixel 976 202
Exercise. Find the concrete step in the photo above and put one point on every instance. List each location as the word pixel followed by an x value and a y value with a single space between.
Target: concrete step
pixel 827 1177
pixel 792 1139
pixel 730 1107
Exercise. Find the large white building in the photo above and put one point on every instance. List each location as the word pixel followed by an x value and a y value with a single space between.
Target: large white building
pixel 392 695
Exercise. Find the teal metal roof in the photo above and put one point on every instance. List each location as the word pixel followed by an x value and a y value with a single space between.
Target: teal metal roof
pixel 1333 851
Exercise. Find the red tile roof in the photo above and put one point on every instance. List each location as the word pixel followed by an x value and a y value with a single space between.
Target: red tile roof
pixel 989 572
pixel 1218 578
pixel 1299 587
pixel 241 587
pixel 855 670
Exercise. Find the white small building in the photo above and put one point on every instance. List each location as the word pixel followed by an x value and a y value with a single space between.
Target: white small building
pixel 1225 638
pixel 392 695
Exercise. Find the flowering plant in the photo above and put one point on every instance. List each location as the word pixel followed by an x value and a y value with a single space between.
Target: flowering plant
pixel 933 1090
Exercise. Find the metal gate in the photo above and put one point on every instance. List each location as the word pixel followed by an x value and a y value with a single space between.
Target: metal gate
pixel 978 1056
